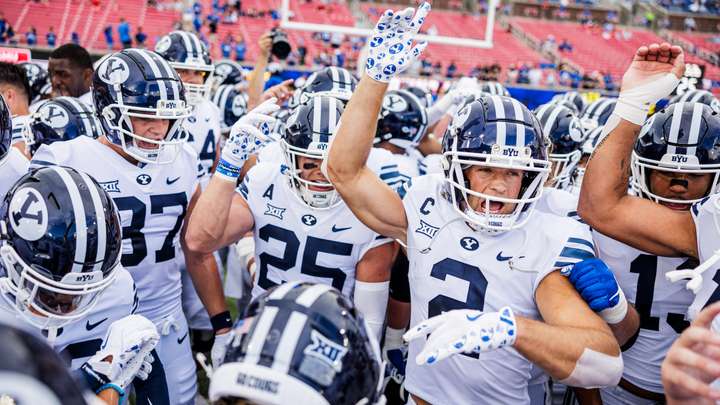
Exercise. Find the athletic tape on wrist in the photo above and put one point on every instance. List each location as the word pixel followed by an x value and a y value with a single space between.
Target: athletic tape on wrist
pixel 634 104
pixel 617 313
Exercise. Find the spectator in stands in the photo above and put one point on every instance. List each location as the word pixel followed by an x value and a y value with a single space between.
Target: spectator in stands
pixel 10 35
pixel 31 36
pixel 565 46
pixel 302 51
pixel 124 33
pixel 140 38
pixel 523 74
pixel 535 76
pixel 75 38
pixel 240 49
pixel 690 24
pixel 586 16
pixel 437 68
pixel 3 24
pixel 426 67
pixel 608 81
pixel 71 70
pixel 213 20
pixel 197 23
pixel 226 46
pixel 512 75
pixel 197 8
pixel 550 78
pixel 51 37
pixel 108 32
pixel 339 58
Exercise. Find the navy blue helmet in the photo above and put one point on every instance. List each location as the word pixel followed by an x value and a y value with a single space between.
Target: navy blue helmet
pixel 185 51
pixel 495 131
pixel 425 96
pixel 5 129
pixel 301 343
pixel 32 373
pixel 597 113
pixel 681 138
pixel 403 119
pixel 494 88
pixel 330 81
pixel 573 97
pixel 62 119
pixel 140 83
pixel 307 133
pixel 38 80
pixel 566 134
pixel 60 245
pixel 232 104
pixel 227 72
pixel 698 96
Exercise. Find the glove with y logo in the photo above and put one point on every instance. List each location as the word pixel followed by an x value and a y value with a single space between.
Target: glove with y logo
pixel 464 331
pixel 246 135
pixel 390 49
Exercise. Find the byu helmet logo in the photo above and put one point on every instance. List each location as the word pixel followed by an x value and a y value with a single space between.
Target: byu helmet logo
pixel 395 103
pixel 114 71
pixel 54 116
pixel 28 214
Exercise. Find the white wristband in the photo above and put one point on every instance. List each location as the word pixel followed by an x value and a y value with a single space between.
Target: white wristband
pixel 633 104
pixel 617 313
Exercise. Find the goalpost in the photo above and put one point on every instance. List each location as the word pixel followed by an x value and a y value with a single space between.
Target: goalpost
pixel 486 42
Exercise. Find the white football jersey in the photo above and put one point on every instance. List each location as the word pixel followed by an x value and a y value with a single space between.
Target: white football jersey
pixel 706 215
pixel 20 128
pixel 396 170
pixel 12 168
pixel 152 201
pixel 296 242
pixel 558 202
pixel 81 339
pixel 203 127
pixel 431 164
pixel 662 306
pixel 454 267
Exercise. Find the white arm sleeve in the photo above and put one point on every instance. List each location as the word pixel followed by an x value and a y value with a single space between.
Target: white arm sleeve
pixel 371 299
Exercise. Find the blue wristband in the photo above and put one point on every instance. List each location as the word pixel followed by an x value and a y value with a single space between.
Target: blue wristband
pixel 227 169
pixel 115 387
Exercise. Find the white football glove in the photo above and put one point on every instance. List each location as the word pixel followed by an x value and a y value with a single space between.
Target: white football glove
pixel 246 135
pixel 390 49
pixel 125 353
pixel 217 353
pixel 464 331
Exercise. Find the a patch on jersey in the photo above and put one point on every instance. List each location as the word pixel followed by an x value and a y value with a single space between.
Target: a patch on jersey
pixel 326 350
pixel 308 220
pixel 469 243
pixel 427 229
pixel 274 211
pixel 143 179
pixel 28 214
pixel 114 71
pixel 163 44
pixel 54 116
pixel 110 186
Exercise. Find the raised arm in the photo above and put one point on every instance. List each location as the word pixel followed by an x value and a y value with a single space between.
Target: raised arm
pixel 390 52
pixel 604 202
pixel 220 216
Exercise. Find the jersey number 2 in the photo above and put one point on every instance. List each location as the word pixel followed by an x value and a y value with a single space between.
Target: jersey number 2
pixel 477 286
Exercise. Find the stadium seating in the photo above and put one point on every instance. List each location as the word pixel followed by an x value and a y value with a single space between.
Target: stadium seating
pixel 700 40
pixel 593 52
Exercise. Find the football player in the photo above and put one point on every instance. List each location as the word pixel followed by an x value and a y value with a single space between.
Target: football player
pixel 566 134
pixel 597 113
pixel 574 98
pixel 588 147
pixel 331 81
pixel 61 119
pixel 658 226
pixel 60 271
pixel 144 163
pixel 38 80
pixel 13 164
pixel 302 228
pixel 71 72
pixel 324 352
pixel 478 212
pixel 14 89
pixel 698 96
